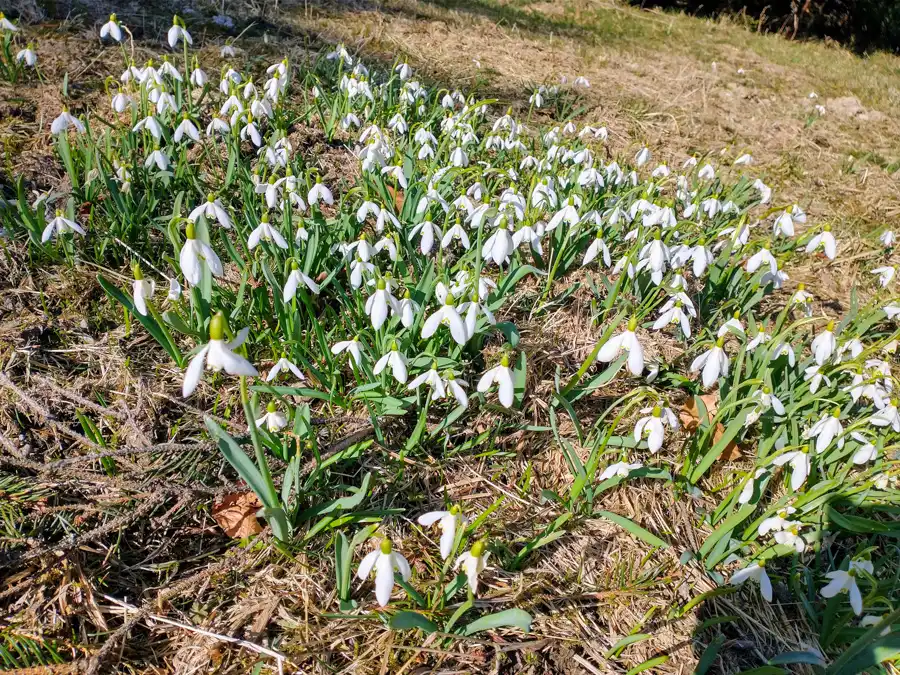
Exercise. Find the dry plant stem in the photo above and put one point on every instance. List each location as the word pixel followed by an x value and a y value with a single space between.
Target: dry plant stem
pixel 278 656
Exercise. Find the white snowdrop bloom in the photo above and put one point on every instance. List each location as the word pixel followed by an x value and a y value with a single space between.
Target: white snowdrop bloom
pixel 251 132
pixel 892 310
pixel 888 238
pixel 744 160
pixel 174 290
pixel 378 304
pixel 149 124
pixel 815 377
pixel 213 211
pixel 885 274
pixel 502 376
pixel 626 342
pixel 320 193
pixel 654 256
pixel 142 291
pixel 352 347
pixel 121 101
pixel 193 253
pixel 64 121
pixel 581 81
pixel 750 486
pixel 428 233
pixel 706 172
pixel 186 128
pixel 867 452
pixel 784 225
pixel 888 416
pixel 845 581
pixel 642 157
pixel 384 560
pixel 227 51
pixel 714 363
pixel 760 258
pixel 169 70
pixel 447 315
pixel 764 401
pixel 449 522
pixel 284 365
pixel 217 125
pixel 340 53
pixel 619 469
pixel 527 233
pixel 673 312
pixel 827 429
pixel 824 240
pixel 273 420
pixel 456 232
pixel 199 78
pixel 408 310
pixel 396 361
pixel 473 563
pixel 733 325
pixel 367 209
pixel 597 248
pixel 765 192
pixel 568 213
pixel 266 232
pixel 757 572
pixel 802 299
pixel 433 379
pixel 824 344
pixel 217 355
pixel 790 536
pixel 652 426
pixel 177 33
pixel 27 56
pixel 849 350
pixel 820 109
pixel 357 269
pixel 59 225
pixel 873 620
pixel 660 172
pixel 111 29
pixel 499 245
pixel 777 522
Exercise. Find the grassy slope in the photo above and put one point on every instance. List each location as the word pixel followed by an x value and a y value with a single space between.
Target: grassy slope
pixel 668 80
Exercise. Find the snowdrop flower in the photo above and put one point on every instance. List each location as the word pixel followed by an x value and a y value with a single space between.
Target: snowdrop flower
pixel 653 426
pixel 408 310
pixel 227 51
pixel 142 290
pixel 888 416
pixel 528 233
pixel 59 226
pixel 212 210
pixel 295 278
pixel 827 429
pixel 251 131
pixel 714 363
pixel 777 522
pixel 265 232
pixel 320 193
pixel 186 128
pixel 158 158
pixel 64 121
pixel 597 248
pixel 619 469
pixel 457 231
pixel 743 160
pixel 627 342
pixel 802 299
pixel 824 344
pixel 474 562
pixel 845 580
pixel 885 274
pixel 499 245
pixel 447 315
pixel 352 347
pixel 790 536
pixel 378 303
pixel 733 325
pixel 456 388
pixel 867 452
pixel 815 377
pixel 284 364
pixel 825 240
pixel 433 379
pixel 502 376
pixel 429 232
pixel 7 25
pixel 448 521
pixel 199 78
pixel 750 487
pixel 765 400
pixel 192 253
pixel 654 256
pixel 765 192
pixel 706 172
pixel 756 571
pixel 218 355
pixel 760 258
pixel 174 290
pixel 642 157
pixel 27 56
pixel 111 29
pixel 887 238
pixel 384 560
pixel 273 420
pixel 673 312
pixel 873 620
pixel 397 363
pixel 784 225
pixel 178 32
pixel 760 338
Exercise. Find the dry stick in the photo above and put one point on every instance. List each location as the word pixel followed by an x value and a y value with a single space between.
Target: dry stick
pixel 259 649
pixel 95 662
pixel 80 400
pixel 159 447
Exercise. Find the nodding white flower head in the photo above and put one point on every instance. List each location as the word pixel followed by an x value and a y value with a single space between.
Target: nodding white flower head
pixel 227 51
pixel 64 121
pixel 473 562
pixel 764 400
pixel 396 361
pixel 760 258
pixel 273 420
pixel 597 248
pixel 867 452
pixel 384 560
pixel 749 488
pixel 59 225
pixel 888 416
pixel 824 240
pixel 845 581
pixel 199 78
pixel 408 310
pixel 619 469
pixel 449 522
pixel 499 245
pixel 193 253
pixel 27 56
pixel 744 160
pixel 218 355
pixel 502 376
pixel 142 290
pixel 446 315
pixel 790 536
pixel 765 192
pixel 713 363
pixel 284 365
pixel 295 278
pixel 733 325
pixel 178 32
pixel 824 344
pixel 652 426
pixel 642 157
pixel 888 238
pixel 7 25
pixel 885 274
pixel 757 571
pixel 378 304
pixel 186 129
pixel 174 290
pixel 706 172
pixel 352 347
pixel 212 210
pixel 265 232
pixel 873 620
pixel 777 522
pixel 320 193
pixel 826 430
pixel 625 342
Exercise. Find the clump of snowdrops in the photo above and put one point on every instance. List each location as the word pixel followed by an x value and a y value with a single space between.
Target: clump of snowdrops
pixel 386 290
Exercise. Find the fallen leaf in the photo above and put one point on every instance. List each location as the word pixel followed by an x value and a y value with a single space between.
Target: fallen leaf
pixel 398 197
pixel 689 416
pixel 236 514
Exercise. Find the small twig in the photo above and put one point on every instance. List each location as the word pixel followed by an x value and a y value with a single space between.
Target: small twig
pixel 259 649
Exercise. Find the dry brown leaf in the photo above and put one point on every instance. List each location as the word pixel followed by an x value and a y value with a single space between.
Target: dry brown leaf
pixel 689 416
pixel 236 514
